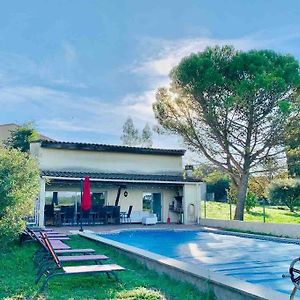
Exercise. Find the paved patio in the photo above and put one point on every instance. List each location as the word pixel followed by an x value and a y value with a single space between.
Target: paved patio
pixel 108 228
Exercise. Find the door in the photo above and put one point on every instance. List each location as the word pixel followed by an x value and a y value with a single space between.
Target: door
pixel 157 205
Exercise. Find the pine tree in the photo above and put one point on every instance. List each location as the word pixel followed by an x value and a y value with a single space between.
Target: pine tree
pixel 130 136
pixel 146 139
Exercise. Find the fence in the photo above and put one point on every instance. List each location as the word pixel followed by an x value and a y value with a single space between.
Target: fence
pixel 225 211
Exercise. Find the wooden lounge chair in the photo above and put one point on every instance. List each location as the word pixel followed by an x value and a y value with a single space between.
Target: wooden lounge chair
pixel 46 262
pixel 59 270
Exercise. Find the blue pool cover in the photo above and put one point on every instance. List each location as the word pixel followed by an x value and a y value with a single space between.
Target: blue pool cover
pixel 253 260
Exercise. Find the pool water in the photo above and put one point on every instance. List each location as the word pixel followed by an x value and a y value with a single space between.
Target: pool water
pixel 253 260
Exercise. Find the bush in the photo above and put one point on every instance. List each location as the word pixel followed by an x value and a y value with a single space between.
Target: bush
pixel 140 294
pixel 19 185
pixel 285 192
pixel 251 201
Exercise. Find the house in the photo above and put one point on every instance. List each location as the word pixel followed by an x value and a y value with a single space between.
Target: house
pixel 6 129
pixel 149 179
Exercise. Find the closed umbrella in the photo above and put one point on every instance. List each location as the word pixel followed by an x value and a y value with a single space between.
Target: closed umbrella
pixel 86 200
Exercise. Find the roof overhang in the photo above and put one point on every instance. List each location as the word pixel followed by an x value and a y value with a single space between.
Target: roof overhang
pixel 119 178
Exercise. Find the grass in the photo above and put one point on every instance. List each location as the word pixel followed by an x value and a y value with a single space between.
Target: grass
pixel 17 279
pixel 218 210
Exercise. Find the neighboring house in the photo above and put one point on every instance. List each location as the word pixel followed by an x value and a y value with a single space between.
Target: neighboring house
pixel 6 129
pixel 152 179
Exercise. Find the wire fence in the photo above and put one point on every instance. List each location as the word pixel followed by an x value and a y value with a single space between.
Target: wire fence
pixel 226 210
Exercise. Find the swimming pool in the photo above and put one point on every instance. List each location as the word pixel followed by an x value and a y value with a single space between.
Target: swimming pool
pixel 255 260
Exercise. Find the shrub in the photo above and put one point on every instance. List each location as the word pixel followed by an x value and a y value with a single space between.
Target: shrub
pixel 232 194
pixel 251 201
pixel 285 192
pixel 258 185
pixel 19 184
pixel 140 294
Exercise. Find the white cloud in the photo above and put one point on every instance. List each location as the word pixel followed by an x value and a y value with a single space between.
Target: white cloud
pixel 70 53
pixel 168 53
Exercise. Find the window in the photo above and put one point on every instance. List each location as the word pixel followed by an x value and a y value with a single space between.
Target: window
pixel 63 198
pixel 147 202
pixel 98 199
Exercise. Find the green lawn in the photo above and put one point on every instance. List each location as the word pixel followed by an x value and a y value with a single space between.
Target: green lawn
pixel 218 210
pixel 17 278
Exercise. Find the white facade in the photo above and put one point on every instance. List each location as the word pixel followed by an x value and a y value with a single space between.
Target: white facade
pixel 111 162
pixel 71 160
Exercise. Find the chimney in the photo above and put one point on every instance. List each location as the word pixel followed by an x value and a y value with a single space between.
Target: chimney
pixel 189 171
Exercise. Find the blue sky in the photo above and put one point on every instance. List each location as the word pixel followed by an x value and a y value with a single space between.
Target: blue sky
pixel 78 69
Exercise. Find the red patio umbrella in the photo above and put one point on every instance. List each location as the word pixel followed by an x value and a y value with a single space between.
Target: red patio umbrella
pixel 86 201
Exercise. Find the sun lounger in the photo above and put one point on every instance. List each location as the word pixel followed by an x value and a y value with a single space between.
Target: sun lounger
pixel 75 251
pixel 60 270
pixel 46 263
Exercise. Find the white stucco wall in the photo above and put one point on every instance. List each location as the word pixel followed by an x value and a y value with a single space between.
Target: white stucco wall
pixel 110 162
pixel 192 196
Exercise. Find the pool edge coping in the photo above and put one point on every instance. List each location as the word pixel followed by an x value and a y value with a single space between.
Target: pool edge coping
pixel 227 282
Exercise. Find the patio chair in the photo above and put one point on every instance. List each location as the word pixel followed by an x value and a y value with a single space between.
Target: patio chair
pixel 86 217
pixel 101 216
pixel 68 215
pixel 49 214
pixel 116 214
pixel 109 210
pixel 126 216
pixel 58 270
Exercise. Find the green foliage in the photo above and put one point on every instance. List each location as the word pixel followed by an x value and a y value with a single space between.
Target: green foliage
pixel 230 106
pixel 218 183
pixel 146 138
pixel 251 201
pixel 292 140
pixel 19 184
pixel 204 170
pixel 232 194
pixel 21 137
pixel 130 136
pixel 140 293
pixel 285 192
pixel 258 185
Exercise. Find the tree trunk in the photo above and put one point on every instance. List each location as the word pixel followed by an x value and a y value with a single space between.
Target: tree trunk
pixel 241 198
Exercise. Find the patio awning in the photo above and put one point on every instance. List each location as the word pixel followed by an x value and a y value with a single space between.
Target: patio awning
pixel 118 177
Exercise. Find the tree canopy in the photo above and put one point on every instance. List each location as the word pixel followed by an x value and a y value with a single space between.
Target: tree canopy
pixel 132 137
pixel 21 137
pixel 146 137
pixel 292 139
pixel 230 106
